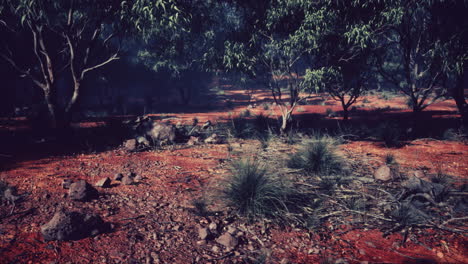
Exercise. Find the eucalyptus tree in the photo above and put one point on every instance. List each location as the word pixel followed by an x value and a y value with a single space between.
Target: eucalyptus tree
pixel 71 38
pixel 346 50
pixel 281 35
pixel 412 54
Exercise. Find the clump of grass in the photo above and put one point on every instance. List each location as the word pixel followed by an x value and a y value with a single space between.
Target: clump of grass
pixel 454 135
pixel 240 127
pixel 365 101
pixel 257 194
pixel 254 192
pixel 266 106
pixel 390 159
pixel 200 207
pixel 318 156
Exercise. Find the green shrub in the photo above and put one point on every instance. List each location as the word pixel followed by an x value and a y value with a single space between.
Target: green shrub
pixel 390 159
pixel 318 156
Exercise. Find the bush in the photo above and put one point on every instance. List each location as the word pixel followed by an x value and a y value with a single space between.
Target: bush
pixel 330 113
pixel 266 106
pixel 245 113
pixel 390 159
pixel 318 157
pixel 240 127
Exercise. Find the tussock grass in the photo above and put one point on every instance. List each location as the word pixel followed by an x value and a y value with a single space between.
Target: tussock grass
pixel 318 156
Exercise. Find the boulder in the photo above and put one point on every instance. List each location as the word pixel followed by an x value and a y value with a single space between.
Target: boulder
pixel 417 185
pixel 383 173
pixel 82 191
pixel 162 133
pixel 104 183
pixel 66 226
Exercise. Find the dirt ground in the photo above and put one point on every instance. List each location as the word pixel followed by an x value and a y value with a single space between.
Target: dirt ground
pixel 155 221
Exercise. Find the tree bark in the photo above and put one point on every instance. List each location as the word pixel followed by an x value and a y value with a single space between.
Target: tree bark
pixel 458 94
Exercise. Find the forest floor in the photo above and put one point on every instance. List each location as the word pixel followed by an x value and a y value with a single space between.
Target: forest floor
pixel 155 220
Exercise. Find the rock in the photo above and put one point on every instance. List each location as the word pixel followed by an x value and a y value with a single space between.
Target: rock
pixel 104 183
pixel 213 226
pixel 193 141
pixel 203 233
pixel 232 230
pixel 66 226
pixel 417 185
pixel 418 174
pixel 138 177
pixel 157 132
pixel 82 191
pixel 66 183
pixel 10 195
pixel 143 141
pixel 130 145
pixel 127 180
pixel 213 139
pixel 383 173
pixel 227 240
pixel 118 177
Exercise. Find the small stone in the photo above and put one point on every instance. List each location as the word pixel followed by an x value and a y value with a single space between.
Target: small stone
pixel 213 226
pixel 66 183
pixel 215 249
pixel 118 177
pixel 130 145
pixel 213 139
pixel 193 141
pixel 232 230
pixel 104 183
pixel 201 242
pixel 138 178
pixel 82 191
pixel 127 180
pixel 203 233
pixel 383 173
pixel 227 240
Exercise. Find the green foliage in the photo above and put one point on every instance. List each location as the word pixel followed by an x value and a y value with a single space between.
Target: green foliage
pixel 318 156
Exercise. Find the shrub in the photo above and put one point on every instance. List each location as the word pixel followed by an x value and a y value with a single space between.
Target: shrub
pixel 200 207
pixel 365 101
pixel 454 135
pixel 300 110
pixel 245 113
pixel 318 157
pixel 240 127
pixel 266 106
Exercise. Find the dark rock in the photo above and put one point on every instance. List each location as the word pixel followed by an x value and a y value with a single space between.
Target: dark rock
pixel 66 226
pixel 82 191
pixel 104 183
pixel 157 132
pixel 417 185
pixel 66 183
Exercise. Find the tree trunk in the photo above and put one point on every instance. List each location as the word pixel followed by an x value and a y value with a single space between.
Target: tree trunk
pixel 458 95
pixel 286 120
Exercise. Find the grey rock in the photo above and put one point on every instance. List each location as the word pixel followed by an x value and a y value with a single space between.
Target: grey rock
pixel 82 191
pixel 104 183
pixel 130 145
pixel 383 173
pixel 66 226
pixel 118 177
pixel 213 139
pixel 66 183
pixel 203 233
pixel 228 241
pixel 127 180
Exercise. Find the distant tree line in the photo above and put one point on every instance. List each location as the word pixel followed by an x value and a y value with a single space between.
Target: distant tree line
pixel 295 47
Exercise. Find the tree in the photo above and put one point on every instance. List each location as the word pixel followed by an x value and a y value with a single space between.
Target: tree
pixel 412 57
pixel 281 35
pixel 450 26
pixel 185 51
pixel 71 39
pixel 345 49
